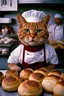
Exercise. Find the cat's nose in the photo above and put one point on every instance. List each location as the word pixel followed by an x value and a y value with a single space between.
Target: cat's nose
pixel 33 35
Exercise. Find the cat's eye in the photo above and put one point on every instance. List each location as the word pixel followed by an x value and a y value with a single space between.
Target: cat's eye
pixel 39 30
pixel 26 30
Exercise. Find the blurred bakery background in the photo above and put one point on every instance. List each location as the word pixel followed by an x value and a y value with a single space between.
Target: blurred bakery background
pixel 9 25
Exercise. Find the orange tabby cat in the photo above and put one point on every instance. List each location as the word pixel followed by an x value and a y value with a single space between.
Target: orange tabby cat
pixel 32 35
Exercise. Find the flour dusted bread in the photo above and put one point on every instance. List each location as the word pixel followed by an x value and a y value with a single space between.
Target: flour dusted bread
pixel 24 74
pixel 49 82
pixel 55 72
pixel 38 77
pixel 58 89
pixel 11 72
pixel 11 83
pixel 29 88
pixel 1 77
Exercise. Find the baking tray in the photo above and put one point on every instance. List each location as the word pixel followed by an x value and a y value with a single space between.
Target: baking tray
pixel 5 93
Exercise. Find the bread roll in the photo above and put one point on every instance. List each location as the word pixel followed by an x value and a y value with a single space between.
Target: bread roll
pixel 42 71
pixel 29 88
pixel 24 74
pixel 43 68
pixel 62 75
pixel 11 72
pixel 58 89
pixel 49 82
pixel 5 50
pixel 55 72
pixel 36 77
pixel 61 45
pixel 56 46
pixel 11 83
pixel 1 77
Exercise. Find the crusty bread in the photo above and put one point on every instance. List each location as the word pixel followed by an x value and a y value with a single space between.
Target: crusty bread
pixel 1 77
pixel 11 83
pixel 55 72
pixel 44 68
pixel 42 71
pixel 49 82
pixel 62 75
pixel 37 77
pixel 25 73
pixel 56 46
pixel 11 72
pixel 58 89
pixel 61 45
pixel 29 88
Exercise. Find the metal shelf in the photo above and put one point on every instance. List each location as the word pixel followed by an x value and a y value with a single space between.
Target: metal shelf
pixel 6 45
pixel 4 54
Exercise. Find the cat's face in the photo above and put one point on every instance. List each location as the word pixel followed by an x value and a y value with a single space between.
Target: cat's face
pixel 32 34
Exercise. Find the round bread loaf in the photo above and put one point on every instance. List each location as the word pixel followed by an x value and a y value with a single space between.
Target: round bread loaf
pixel 55 72
pixel 56 46
pixel 5 50
pixel 36 77
pixel 11 72
pixel 58 89
pixel 24 74
pixel 62 75
pixel 11 83
pixel 61 45
pixel 49 82
pixel 43 68
pixel 42 71
pixel 29 88
pixel 1 77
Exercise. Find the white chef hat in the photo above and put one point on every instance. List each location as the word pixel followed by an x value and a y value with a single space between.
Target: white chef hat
pixel 33 15
pixel 58 16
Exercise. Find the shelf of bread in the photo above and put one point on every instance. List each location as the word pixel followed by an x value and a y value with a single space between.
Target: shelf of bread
pixel 6 41
pixel 4 52
pixel 34 84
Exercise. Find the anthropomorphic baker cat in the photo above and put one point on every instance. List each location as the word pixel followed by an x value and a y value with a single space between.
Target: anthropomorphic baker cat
pixel 33 52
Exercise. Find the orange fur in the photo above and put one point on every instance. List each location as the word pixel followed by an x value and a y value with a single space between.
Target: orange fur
pixel 33 34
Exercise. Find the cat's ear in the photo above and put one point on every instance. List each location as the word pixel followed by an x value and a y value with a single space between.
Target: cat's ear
pixel 46 19
pixel 21 20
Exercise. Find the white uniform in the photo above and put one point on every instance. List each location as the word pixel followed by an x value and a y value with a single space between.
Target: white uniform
pixel 56 32
pixel 31 57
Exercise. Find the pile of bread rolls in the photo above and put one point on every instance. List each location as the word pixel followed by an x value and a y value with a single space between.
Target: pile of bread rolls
pixel 10 81
pixel 4 50
pixel 31 82
pixel 6 40
pixel 57 44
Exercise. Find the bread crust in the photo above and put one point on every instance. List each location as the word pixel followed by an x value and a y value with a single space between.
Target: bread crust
pixel 38 77
pixel 49 82
pixel 11 83
pixel 1 77
pixel 29 88
pixel 11 72
pixel 55 72
pixel 62 75
pixel 24 74
pixel 58 89
pixel 42 71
